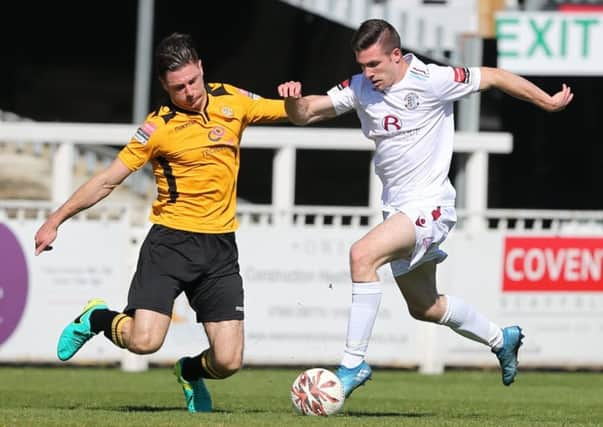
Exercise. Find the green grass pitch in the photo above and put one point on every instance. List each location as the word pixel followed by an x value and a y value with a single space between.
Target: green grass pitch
pixel 76 396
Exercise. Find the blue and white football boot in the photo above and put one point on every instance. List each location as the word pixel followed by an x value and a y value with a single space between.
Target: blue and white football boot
pixel 352 378
pixel 507 355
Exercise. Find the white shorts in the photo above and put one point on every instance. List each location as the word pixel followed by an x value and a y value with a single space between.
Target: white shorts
pixel 432 225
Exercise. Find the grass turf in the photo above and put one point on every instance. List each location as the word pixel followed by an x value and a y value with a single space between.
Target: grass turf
pixel 74 396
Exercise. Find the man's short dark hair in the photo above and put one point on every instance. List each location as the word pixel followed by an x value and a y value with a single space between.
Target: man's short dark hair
pixel 373 31
pixel 173 52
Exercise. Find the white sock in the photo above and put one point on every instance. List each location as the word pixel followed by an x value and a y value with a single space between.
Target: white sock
pixel 366 298
pixel 465 320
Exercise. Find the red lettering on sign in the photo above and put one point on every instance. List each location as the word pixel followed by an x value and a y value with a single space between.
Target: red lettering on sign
pixel 553 264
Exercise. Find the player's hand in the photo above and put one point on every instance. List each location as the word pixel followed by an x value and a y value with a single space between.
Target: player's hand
pixel 561 99
pixel 44 237
pixel 290 89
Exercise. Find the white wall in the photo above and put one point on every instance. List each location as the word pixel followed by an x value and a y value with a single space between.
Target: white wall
pixel 298 293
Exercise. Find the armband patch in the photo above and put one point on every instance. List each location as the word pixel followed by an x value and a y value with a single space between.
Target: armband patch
pixel 342 85
pixel 249 94
pixel 462 75
pixel 144 132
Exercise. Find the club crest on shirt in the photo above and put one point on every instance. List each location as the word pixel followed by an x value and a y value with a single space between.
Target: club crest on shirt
pixel 411 101
pixel 462 75
pixel 216 133
pixel 144 132
pixel 227 111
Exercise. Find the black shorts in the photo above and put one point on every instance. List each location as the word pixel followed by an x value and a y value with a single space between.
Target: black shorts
pixel 203 266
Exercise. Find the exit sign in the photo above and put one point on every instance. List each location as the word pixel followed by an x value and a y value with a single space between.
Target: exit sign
pixel 550 43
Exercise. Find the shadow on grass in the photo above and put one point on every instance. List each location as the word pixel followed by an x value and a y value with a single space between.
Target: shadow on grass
pixel 144 408
pixel 387 414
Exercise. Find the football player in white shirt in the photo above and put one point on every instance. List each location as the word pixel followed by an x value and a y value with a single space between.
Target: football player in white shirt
pixel 406 107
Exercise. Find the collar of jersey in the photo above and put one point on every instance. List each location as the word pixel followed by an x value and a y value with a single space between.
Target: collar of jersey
pixel 203 113
pixel 409 58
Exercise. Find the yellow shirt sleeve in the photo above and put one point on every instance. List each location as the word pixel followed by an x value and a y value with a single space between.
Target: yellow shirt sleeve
pixel 258 109
pixel 264 110
pixel 143 144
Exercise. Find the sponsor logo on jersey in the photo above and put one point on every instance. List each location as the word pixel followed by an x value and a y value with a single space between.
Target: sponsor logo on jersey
pixel 553 264
pixel 144 132
pixel 409 133
pixel 216 133
pixel 462 75
pixel 390 121
pixel 249 94
pixel 184 125
pixel 411 101
pixel 215 151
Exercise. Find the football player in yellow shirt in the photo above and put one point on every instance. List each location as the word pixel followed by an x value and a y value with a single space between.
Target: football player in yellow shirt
pixel 193 144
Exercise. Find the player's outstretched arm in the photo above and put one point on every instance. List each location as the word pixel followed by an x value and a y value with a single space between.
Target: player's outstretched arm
pixel 523 89
pixel 91 192
pixel 303 110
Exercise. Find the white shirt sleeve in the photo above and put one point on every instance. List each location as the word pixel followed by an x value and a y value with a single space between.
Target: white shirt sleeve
pixel 343 97
pixel 452 83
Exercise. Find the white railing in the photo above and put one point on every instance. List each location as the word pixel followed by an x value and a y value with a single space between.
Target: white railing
pixel 538 221
pixel 520 220
pixel 308 216
pixel 283 140
pixel 86 160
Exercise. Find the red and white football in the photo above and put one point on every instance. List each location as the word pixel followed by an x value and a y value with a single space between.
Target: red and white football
pixel 318 392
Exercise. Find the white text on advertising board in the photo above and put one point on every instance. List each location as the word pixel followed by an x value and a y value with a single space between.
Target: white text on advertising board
pixel 550 43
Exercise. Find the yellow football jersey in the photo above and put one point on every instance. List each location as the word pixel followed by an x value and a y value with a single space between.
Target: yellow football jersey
pixel 195 157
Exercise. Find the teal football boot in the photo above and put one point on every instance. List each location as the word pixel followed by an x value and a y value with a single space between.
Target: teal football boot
pixel 75 334
pixel 196 394
pixel 507 355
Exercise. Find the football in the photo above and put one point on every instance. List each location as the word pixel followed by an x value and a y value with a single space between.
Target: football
pixel 318 392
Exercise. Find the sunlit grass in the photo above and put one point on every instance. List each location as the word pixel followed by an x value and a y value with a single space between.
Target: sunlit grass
pixel 70 396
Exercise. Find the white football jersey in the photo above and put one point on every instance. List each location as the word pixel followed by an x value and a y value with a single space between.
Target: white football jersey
pixel 412 126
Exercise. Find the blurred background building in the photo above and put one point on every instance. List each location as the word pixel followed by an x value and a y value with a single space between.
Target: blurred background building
pixel 76 63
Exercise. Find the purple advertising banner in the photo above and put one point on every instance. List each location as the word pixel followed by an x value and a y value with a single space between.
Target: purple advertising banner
pixel 13 283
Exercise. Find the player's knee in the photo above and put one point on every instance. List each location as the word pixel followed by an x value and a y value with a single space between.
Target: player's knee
pixel 416 313
pixel 228 364
pixel 424 313
pixel 144 344
pixel 360 256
